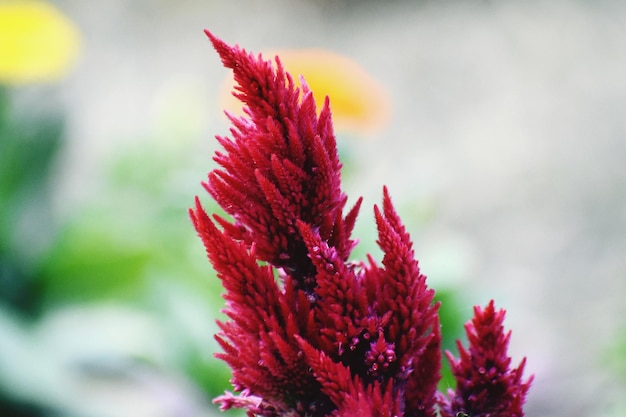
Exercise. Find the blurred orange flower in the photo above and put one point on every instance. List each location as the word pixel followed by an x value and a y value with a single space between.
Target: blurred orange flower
pixel 359 103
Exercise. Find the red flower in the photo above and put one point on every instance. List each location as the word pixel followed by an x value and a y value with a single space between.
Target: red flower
pixel 281 167
pixel 486 386
pixel 330 337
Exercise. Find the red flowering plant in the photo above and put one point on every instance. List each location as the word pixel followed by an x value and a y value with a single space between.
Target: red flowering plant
pixel 309 332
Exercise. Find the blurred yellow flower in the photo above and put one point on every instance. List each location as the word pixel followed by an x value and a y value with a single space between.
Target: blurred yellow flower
pixel 37 42
pixel 358 102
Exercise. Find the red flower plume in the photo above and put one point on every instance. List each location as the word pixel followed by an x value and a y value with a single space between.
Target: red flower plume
pixel 330 337
pixel 486 386
pixel 280 167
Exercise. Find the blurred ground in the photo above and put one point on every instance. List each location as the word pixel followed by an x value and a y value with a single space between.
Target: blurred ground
pixel 508 127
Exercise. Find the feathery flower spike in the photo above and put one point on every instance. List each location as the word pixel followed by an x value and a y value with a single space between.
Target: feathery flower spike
pixel 486 386
pixel 329 337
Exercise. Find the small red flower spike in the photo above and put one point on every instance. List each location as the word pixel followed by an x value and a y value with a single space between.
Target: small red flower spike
pixel 486 386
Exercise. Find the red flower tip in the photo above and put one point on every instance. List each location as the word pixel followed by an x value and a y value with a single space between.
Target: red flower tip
pixel 281 167
pixel 486 386
pixel 330 337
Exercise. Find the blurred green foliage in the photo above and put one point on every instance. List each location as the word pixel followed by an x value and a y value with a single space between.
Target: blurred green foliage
pixel 27 152
pixel 129 255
